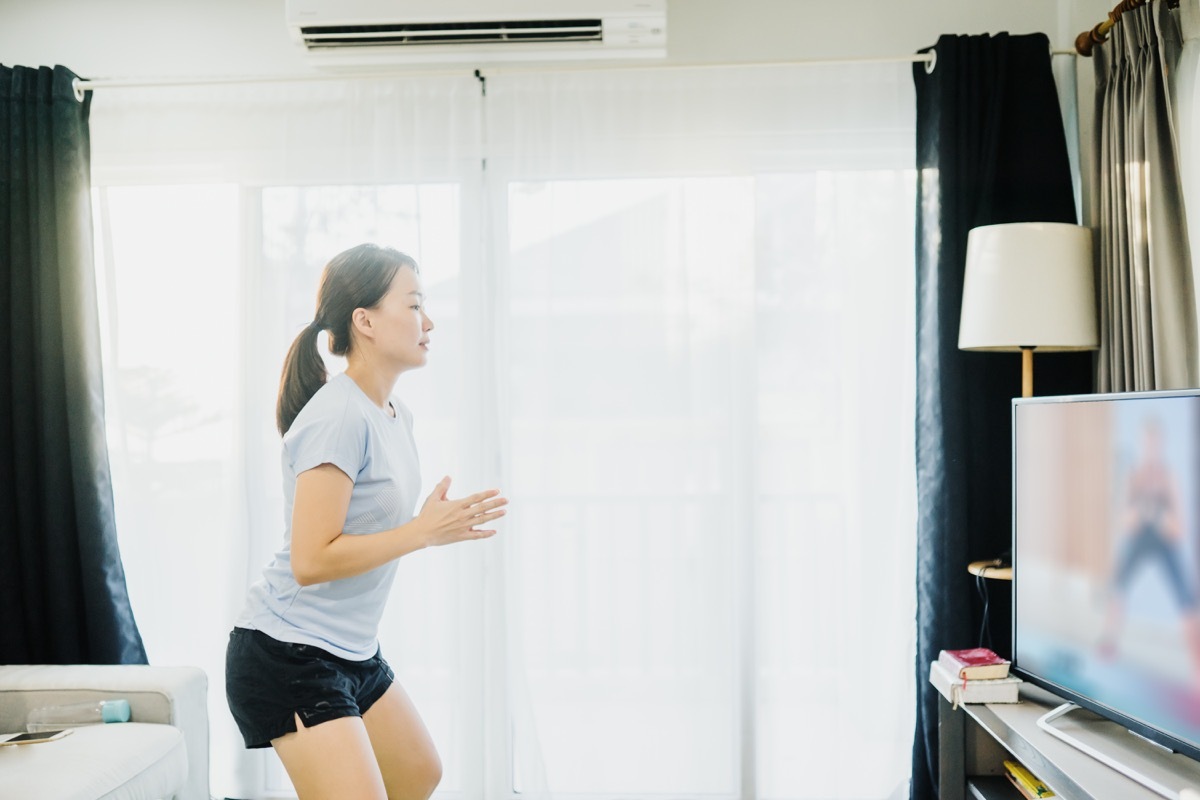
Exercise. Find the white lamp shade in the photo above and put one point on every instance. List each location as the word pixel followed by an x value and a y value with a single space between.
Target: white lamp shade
pixel 1029 284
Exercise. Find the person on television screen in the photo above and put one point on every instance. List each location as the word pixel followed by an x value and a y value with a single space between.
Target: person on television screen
pixel 1153 530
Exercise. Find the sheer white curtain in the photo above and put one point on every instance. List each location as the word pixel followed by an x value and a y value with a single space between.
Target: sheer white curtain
pixel 673 322
pixel 217 208
pixel 704 309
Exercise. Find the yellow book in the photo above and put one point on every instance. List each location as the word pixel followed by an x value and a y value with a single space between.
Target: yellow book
pixel 1027 780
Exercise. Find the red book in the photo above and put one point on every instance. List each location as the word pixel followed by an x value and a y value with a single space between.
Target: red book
pixel 976 664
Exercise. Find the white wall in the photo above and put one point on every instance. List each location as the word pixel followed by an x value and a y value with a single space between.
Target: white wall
pixel 150 38
pixel 1084 14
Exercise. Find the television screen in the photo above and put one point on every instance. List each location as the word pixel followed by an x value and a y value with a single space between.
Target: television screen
pixel 1106 558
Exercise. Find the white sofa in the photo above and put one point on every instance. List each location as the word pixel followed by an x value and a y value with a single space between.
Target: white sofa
pixel 160 754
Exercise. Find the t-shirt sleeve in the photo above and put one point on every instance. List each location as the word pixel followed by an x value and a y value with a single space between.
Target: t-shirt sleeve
pixel 335 436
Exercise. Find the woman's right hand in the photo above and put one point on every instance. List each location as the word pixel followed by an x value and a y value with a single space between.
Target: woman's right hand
pixel 446 521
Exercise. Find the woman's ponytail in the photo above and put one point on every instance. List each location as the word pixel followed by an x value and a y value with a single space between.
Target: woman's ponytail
pixel 303 374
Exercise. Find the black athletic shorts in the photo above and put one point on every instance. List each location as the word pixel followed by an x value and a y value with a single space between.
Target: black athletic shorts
pixel 269 682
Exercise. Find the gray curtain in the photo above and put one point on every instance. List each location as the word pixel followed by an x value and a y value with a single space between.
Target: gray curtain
pixel 1147 310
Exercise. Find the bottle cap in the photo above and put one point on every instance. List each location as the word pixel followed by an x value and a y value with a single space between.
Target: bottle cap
pixel 115 710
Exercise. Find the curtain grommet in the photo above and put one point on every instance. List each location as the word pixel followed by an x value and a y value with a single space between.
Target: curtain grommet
pixel 931 64
pixel 78 88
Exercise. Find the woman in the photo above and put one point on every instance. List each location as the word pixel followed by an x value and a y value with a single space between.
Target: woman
pixel 1154 531
pixel 303 669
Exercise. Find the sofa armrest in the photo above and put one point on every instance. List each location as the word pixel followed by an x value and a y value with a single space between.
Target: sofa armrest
pixel 175 696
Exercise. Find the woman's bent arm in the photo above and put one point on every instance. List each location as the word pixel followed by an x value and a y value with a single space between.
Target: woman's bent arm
pixel 322 552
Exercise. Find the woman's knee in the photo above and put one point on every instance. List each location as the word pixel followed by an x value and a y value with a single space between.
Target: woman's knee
pixel 413 776
pixel 435 773
pixel 430 771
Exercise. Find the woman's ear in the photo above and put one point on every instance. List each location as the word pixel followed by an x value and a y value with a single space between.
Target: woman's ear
pixel 360 319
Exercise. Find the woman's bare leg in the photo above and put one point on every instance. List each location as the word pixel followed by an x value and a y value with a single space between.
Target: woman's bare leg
pixel 331 760
pixel 403 749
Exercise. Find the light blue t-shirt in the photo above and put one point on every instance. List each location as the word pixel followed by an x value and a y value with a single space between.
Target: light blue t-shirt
pixel 340 426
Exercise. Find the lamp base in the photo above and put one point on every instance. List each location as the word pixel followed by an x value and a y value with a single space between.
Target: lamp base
pixel 1026 372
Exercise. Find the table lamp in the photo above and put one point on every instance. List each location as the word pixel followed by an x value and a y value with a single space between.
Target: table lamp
pixel 1029 286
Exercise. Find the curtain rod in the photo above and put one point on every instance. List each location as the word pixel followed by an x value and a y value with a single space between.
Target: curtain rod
pixel 1085 41
pixel 81 85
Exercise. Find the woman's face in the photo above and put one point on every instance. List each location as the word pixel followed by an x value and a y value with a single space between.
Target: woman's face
pixel 399 326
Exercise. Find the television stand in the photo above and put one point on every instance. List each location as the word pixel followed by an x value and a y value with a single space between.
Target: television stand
pixel 974 741
pixel 1112 750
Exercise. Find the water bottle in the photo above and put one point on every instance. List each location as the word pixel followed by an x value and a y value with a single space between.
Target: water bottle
pixel 74 715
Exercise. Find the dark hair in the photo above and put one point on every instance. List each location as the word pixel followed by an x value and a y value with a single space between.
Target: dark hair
pixel 355 278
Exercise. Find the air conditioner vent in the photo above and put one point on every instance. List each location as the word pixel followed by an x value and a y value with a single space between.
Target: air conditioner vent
pixel 369 34
pixel 319 37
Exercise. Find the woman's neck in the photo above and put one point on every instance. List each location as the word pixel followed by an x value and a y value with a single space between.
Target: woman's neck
pixel 376 385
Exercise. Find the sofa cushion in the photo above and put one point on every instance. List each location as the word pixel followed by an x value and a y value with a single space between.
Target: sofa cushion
pixel 122 761
pixel 176 696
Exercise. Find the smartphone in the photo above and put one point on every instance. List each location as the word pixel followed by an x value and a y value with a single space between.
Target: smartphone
pixel 32 738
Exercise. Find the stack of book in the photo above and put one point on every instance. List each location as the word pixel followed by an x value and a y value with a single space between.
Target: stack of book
pixel 1026 782
pixel 977 675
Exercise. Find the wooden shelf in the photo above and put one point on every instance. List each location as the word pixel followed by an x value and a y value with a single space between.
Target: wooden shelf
pixel 991 569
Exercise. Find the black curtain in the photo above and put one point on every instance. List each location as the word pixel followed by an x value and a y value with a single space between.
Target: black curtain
pixel 990 149
pixel 62 587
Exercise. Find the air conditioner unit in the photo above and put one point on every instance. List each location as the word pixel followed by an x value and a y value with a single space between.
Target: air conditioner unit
pixel 364 33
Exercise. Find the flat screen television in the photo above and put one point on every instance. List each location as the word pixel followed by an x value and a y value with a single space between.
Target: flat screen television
pixel 1106 557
